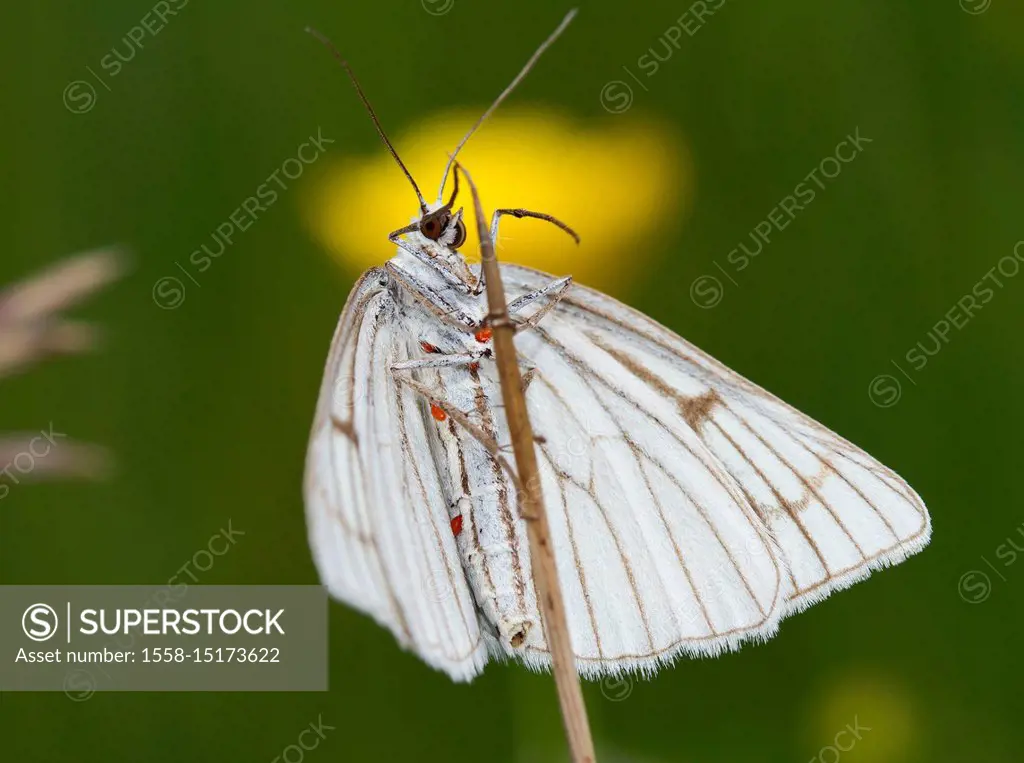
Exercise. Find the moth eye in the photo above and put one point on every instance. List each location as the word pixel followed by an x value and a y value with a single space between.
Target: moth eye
pixel 460 235
pixel 430 229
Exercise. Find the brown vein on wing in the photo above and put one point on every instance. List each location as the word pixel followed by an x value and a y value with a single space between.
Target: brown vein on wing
pixel 829 466
pixel 695 409
pixel 803 480
pixel 717 370
pixel 590 490
pixel 844 449
pixel 740 631
pixel 507 519
pixel 706 516
pixel 351 322
pixel 580 574
pixel 345 428
pixel 712 371
pixel 637 455
pixel 365 555
pixel 627 568
pixel 901 490
pixel 901 542
pixel 333 478
pixel 717 471
pixel 567 408
pixel 861 565
pixel 884 474
pixel 715 373
pixel 427 505
pixel 762 515
pixel 729 486
pixel 388 586
pixel 568 357
pixel 784 503
pixel 337 356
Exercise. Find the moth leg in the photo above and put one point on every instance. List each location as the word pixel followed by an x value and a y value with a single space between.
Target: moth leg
pixel 455 360
pixel 554 290
pixel 519 213
pixel 460 418
pixel 442 360
pixel 430 299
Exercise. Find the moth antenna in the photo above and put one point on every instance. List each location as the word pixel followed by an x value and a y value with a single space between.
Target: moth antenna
pixel 455 191
pixel 504 94
pixel 373 115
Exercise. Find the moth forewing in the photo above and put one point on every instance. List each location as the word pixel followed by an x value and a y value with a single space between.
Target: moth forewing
pixel 378 523
pixel 835 512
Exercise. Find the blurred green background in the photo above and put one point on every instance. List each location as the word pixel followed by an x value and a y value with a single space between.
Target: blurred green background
pixel 207 406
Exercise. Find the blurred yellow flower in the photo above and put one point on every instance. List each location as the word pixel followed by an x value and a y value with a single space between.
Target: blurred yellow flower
pixel 865 717
pixel 619 183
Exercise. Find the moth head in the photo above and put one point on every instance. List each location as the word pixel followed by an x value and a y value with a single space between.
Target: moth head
pixel 444 226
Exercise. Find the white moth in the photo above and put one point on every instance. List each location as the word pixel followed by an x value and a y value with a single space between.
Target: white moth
pixel 690 509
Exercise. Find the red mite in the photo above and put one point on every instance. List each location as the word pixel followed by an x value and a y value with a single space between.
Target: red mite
pixel 483 335
pixel 428 347
pixel 457 525
pixel 437 412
